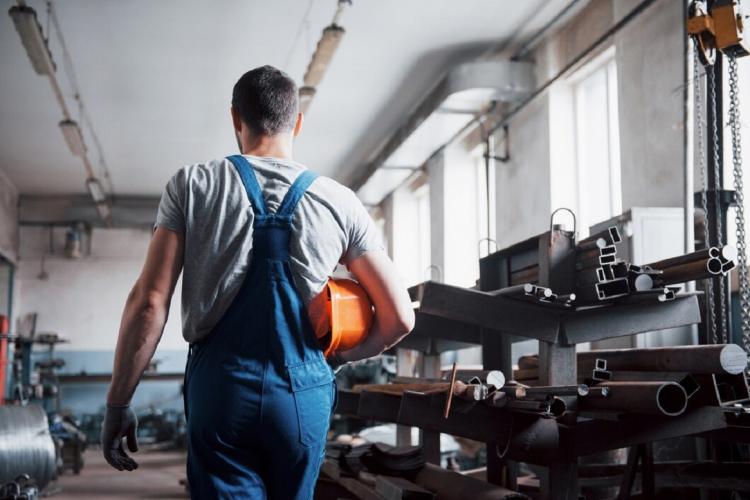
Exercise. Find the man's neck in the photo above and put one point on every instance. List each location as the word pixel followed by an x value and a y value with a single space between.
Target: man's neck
pixel 273 147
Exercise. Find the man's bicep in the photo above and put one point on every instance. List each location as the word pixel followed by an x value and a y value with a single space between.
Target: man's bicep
pixel 163 262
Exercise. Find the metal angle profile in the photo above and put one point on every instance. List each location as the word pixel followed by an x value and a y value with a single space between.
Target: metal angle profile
pixel 608 250
pixel 607 259
pixel 614 234
pixel 613 289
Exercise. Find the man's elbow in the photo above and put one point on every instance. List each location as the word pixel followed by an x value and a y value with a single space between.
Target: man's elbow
pixel 148 303
pixel 406 322
pixel 400 325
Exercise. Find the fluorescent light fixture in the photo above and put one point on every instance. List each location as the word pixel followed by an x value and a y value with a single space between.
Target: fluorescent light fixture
pixel 105 212
pixel 73 136
pixel 24 18
pixel 327 46
pixel 306 95
pixel 100 200
pixel 382 183
pixel 96 190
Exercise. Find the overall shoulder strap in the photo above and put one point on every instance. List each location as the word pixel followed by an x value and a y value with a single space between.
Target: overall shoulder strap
pixel 295 193
pixel 254 193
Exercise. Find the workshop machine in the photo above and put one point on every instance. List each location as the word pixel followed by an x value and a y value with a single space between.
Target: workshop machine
pixel 37 441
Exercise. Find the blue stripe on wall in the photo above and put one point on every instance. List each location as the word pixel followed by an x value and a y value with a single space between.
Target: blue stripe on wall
pixel 87 398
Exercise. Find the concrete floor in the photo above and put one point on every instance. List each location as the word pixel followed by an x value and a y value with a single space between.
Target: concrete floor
pixel 158 476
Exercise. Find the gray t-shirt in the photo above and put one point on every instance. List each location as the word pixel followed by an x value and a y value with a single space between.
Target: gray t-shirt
pixel 208 204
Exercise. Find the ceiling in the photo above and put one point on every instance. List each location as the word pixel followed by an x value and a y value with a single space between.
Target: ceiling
pixel 156 78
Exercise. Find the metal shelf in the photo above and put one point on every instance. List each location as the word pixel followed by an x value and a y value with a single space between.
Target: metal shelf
pixel 538 440
pixel 455 314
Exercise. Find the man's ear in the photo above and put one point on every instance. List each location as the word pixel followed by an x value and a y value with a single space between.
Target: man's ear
pixel 298 123
pixel 236 120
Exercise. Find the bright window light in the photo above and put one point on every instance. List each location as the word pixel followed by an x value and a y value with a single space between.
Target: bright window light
pixel 597 141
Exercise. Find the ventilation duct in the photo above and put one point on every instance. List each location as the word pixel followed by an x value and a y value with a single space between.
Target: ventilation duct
pixel 453 103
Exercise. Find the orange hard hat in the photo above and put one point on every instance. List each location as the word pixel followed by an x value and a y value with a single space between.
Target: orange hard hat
pixel 348 316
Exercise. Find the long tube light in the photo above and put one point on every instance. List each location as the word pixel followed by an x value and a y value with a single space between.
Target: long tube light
pixel 73 136
pixel 321 58
pixel 95 189
pixel 33 40
pixel 327 45
pixel 24 18
pixel 100 199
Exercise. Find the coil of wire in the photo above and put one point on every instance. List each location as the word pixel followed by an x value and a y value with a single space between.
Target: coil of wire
pixel 26 446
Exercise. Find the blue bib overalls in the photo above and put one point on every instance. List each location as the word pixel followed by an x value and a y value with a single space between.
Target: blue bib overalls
pixel 259 393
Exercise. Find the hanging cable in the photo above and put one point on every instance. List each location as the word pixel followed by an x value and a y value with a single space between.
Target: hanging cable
pixel 304 22
pixel 735 125
pixel 73 80
pixel 720 315
pixel 704 182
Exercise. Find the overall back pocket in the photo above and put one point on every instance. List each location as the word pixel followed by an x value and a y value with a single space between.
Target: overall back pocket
pixel 312 387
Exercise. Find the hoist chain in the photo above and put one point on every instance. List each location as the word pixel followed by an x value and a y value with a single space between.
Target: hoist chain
pixel 744 280
pixel 720 315
pixel 704 182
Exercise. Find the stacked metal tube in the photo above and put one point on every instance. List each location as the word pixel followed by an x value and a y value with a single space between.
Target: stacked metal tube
pixel 601 276
pixel 652 381
pixel 698 265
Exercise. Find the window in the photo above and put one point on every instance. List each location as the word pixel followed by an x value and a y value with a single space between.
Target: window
pixel 407 223
pixel 485 210
pixel 586 105
pixel 422 201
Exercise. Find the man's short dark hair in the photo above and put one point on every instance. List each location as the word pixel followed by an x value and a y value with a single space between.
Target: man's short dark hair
pixel 266 100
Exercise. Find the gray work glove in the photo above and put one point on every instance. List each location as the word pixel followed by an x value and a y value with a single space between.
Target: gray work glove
pixel 119 422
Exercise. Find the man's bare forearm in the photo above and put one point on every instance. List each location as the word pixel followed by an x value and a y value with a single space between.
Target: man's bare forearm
pixel 375 343
pixel 140 330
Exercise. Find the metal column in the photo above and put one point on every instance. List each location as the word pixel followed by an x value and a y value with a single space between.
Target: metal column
pixel 430 440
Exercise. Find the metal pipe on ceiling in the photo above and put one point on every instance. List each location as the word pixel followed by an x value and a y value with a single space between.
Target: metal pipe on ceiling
pixel 524 49
pixel 575 62
pixel 506 119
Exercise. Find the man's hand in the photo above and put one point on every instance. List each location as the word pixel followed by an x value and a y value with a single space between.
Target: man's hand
pixel 119 422
pixel 142 324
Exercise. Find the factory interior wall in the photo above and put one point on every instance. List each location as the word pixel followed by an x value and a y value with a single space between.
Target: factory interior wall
pixel 82 300
pixel 649 69
pixel 651 73
pixel 537 179
pixel 523 183
pixel 8 218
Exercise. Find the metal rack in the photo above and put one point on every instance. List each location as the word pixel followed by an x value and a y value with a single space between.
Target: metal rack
pixel 450 317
